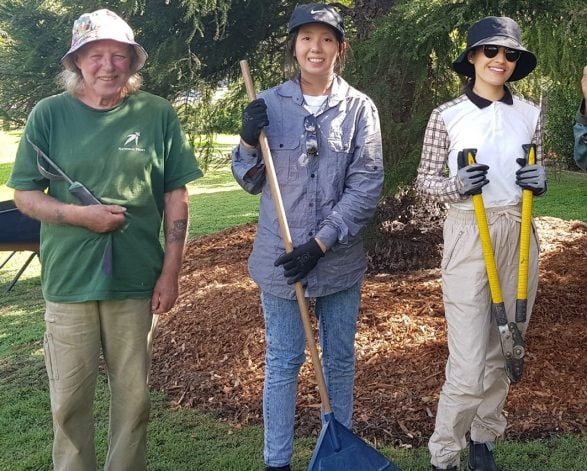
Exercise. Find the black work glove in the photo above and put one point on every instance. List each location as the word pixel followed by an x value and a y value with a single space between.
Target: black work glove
pixel 253 120
pixel 300 261
pixel 472 178
pixel 531 177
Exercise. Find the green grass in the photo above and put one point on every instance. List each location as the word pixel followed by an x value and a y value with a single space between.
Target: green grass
pixel 190 440
pixel 217 202
pixel 8 143
pixel 565 198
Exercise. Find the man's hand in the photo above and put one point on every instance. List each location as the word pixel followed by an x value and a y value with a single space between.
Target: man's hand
pixel 176 218
pixel 300 261
pixel 99 218
pixel 472 178
pixel 253 120
pixel 165 293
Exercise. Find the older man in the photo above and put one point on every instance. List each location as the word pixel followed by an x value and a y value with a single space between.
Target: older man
pixel 104 271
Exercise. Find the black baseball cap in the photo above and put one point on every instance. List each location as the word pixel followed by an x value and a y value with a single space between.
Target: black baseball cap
pixel 316 13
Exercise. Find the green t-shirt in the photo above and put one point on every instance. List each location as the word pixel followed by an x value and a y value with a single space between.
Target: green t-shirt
pixel 131 156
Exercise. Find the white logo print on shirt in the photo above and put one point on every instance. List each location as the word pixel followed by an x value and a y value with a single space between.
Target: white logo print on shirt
pixel 132 138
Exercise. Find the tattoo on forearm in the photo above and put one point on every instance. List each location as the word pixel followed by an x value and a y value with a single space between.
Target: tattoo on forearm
pixel 177 231
pixel 59 216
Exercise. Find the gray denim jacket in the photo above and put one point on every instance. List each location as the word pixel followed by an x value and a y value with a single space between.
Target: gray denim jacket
pixel 331 195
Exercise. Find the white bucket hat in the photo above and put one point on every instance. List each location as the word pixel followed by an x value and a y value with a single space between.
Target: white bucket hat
pixel 102 24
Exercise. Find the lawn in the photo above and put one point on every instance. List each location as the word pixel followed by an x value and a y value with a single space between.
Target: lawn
pixel 186 439
pixel 565 198
pixel 8 144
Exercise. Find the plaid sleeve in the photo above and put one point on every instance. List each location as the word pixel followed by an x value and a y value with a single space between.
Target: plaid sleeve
pixel 433 179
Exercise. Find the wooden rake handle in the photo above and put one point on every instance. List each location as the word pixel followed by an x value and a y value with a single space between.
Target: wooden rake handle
pixel 287 242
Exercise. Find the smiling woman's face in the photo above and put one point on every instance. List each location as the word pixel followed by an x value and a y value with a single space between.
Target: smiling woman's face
pixel 491 71
pixel 316 50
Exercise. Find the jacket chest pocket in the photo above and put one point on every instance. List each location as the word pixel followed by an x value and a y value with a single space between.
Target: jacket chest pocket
pixel 285 151
pixel 341 148
pixel 341 140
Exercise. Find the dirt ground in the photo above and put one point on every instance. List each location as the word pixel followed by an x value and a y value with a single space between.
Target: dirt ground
pixel 209 351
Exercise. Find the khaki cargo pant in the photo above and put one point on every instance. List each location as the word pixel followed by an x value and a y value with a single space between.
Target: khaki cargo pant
pixel 75 335
pixel 476 385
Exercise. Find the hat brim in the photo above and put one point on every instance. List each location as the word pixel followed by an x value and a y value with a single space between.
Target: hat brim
pixel 141 55
pixel 525 64
pixel 319 13
pixel 295 26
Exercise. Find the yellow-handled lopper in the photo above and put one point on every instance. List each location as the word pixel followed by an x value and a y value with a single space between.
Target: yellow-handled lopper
pixel 512 343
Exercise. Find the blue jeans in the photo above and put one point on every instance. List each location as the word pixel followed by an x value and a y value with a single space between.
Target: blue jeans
pixel 285 343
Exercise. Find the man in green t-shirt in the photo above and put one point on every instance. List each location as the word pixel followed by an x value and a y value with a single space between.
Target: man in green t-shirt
pixel 104 272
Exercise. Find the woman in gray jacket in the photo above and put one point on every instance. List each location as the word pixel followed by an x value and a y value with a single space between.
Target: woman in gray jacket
pixel 325 142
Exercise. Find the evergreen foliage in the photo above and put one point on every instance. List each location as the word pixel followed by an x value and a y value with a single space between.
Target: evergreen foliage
pixel 189 42
pixel 28 73
pixel 401 57
pixel 405 66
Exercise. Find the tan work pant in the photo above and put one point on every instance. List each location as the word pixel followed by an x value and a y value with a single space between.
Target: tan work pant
pixel 476 385
pixel 75 335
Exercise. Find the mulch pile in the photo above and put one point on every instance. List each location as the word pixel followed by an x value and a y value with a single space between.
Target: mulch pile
pixel 209 352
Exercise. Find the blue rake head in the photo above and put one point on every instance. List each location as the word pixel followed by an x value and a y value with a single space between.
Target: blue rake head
pixel 338 449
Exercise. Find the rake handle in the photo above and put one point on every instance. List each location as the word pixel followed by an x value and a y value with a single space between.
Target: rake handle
pixel 287 242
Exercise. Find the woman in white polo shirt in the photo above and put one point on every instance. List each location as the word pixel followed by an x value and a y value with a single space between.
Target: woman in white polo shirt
pixel 486 117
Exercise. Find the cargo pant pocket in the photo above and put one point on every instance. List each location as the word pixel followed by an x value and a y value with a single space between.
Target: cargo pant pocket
pixel 50 358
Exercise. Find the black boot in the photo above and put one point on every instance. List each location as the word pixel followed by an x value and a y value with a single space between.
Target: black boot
pixel 452 468
pixel 278 468
pixel 481 457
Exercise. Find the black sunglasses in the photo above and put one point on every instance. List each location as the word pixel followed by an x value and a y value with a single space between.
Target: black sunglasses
pixel 491 51
pixel 310 126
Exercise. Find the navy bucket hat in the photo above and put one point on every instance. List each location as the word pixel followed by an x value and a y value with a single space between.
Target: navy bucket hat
pixel 316 13
pixel 497 31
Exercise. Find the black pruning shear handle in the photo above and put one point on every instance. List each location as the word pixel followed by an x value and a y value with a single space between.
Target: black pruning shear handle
pixel 52 171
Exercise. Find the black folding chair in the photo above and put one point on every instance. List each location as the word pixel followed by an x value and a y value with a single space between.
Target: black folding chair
pixel 18 233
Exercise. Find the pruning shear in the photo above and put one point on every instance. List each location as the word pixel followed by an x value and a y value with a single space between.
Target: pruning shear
pixel 512 342
pixel 77 189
